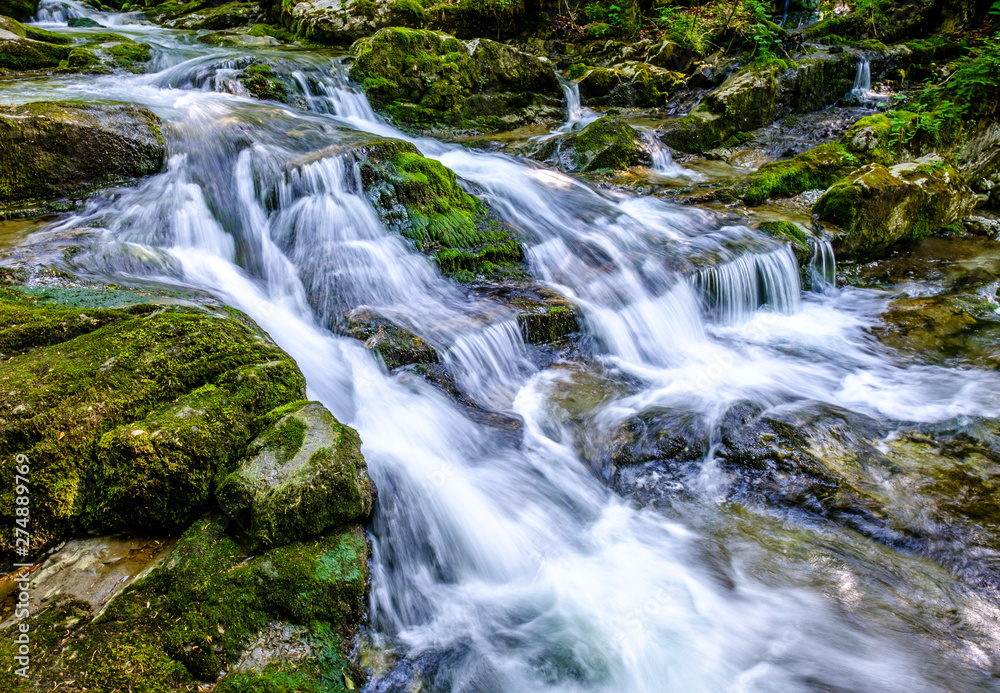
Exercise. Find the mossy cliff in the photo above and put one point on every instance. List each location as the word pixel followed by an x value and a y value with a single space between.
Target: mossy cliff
pixel 422 200
pixel 431 81
pixel 55 149
pixel 877 207
pixel 607 143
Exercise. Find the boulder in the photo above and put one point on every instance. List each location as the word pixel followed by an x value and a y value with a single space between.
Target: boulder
pixel 303 475
pixel 877 207
pixel 54 149
pixel 396 345
pixel 792 234
pixel 629 84
pixel 543 315
pixel 817 168
pixel 128 415
pixel 607 143
pixel 342 22
pixel 429 80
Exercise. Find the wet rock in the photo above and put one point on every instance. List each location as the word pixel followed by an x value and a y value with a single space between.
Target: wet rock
pixel 235 39
pixel 227 16
pixel 877 207
pixel 791 233
pixel 543 315
pixel 129 416
pixel 342 23
pixel 478 85
pixel 54 149
pixel 260 80
pixel 423 201
pixel 210 608
pixel 978 159
pixel 131 56
pixel 302 475
pixel 607 143
pixel 396 345
pixel 629 84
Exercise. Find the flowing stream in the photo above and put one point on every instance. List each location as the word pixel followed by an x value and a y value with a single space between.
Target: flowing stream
pixel 501 560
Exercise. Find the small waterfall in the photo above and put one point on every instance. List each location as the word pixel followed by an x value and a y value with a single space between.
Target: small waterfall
pixel 574 108
pixel 784 16
pixel 663 160
pixel 862 80
pixel 822 268
pixel 59 11
pixel 489 364
pixel 734 290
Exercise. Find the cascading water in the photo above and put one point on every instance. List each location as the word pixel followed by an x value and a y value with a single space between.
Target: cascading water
pixel 500 561
pixel 578 116
pixel 822 264
pixel 663 160
pixel 862 80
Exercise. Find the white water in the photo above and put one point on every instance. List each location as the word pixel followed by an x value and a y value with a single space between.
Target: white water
pixel 862 80
pixel 663 160
pixel 500 561
pixel 578 116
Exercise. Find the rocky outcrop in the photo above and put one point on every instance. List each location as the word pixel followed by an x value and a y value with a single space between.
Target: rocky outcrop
pixel 607 143
pixel 877 207
pixel 54 149
pixel 477 85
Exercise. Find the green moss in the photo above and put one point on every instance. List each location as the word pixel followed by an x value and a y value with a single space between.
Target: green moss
pixel 129 415
pixel 790 232
pixel 31 55
pixel 259 81
pixel 271 30
pixel 36 34
pixel 130 55
pixel 607 143
pixel 816 168
pixel 423 200
pixel 81 59
pixel 108 37
pixel 411 7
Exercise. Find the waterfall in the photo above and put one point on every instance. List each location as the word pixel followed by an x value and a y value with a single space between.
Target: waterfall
pixel 862 80
pixel 663 160
pixel 500 561
pixel 822 266
pixel 733 291
pixel 784 15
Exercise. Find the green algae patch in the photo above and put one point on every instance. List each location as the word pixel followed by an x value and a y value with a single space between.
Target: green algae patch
pixel 422 199
pixel 130 56
pixel 129 416
pixel 429 80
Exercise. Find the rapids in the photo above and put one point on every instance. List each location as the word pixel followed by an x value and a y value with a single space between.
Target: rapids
pixel 502 561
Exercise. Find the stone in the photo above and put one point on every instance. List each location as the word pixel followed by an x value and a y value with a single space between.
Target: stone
pixel 607 143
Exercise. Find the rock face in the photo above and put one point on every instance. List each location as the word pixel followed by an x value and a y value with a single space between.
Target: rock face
pixel 878 207
pixel 54 149
pixel 607 143
pixel 429 80
pixel 304 475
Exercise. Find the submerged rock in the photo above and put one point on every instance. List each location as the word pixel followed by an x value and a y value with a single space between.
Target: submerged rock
pixel 478 85
pixel 878 207
pixel 607 143
pixel 303 475
pixel 55 149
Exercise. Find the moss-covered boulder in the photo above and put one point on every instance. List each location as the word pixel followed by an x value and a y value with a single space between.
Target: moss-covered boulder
pixel 302 476
pixel 20 52
pixel 260 80
pixel 54 149
pixel 877 207
pixel 543 315
pixel 817 168
pixel 21 10
pixel 212 615
pixel 629 84
pixel 341 23
pixel 229 15
pixel 792 234
pixel 129 417
pixel 423 201
pixel 607 143
pixel 429 80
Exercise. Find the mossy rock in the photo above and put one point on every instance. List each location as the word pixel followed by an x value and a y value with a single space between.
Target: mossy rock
pixel 607 143
pixel 629 84
pixel 18 53
pixel 423 201
pixel 428 80
pixel 877 207
pixel 230 15
pixel 816 169
pixel 54 149
pixel 303 475
pixel 129 417
pixel 82 23
pixel 131 56
pixel 260 80
pixel 208 608
pixel 21 10
pixel 396 345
